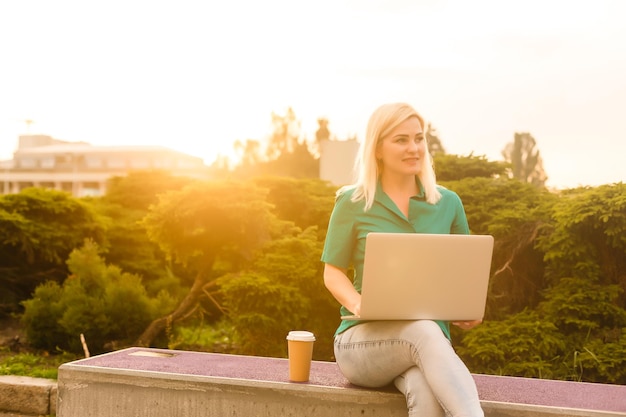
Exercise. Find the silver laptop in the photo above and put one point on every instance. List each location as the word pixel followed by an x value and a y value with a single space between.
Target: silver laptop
pixel 411 276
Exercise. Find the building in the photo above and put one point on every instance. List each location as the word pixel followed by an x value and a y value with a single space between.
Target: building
pixel 83 169
pixel 337 160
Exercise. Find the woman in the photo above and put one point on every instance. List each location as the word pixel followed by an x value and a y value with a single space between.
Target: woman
pixel 396 191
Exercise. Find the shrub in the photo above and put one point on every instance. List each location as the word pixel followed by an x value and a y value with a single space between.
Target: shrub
pixel 109 307
pixel 523 345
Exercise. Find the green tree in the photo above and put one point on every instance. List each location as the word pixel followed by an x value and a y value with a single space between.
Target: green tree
pixel 450 167
pixel 126 202
pixel 522 345
pixel 250 157
pixel 38 230
pixel 434 143
pixel 577 333
pixel 299 163
pixel 287 153
pixel 585 255
pixel 587 238
pixel 140 189
pixel 514 213
pixel 128 246
pixel 281 290
pixel 305 202
pixel 581 312
pixel 525 159
pixel 322 133
pixel 204 225
pixel 108 306
pixel 285 134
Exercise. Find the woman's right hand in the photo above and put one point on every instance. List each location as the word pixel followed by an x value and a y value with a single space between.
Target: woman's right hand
pixel 356 309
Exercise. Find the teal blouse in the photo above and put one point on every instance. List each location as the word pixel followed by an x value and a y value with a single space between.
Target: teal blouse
pixel 349 224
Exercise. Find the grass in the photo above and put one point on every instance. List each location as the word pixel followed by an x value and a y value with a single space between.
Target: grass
pixel 37 363
pixel 42 365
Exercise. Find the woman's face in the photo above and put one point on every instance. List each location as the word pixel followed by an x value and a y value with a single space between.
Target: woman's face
pixel 402 151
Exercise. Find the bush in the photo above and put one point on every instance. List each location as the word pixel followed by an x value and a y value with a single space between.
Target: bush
pixel 109 307
pixel 523 345
pixel 282 290
pixel 203 337
pixel 42 314
pixel 263 312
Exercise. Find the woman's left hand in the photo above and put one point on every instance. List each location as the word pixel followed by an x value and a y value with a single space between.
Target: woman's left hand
pixel 466 325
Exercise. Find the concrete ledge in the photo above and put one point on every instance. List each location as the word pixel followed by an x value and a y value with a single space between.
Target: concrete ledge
pixel 21 394
pixel 142 395
pixel 142 382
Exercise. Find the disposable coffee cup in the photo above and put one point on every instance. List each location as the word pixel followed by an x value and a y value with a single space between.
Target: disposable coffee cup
pixel 300 348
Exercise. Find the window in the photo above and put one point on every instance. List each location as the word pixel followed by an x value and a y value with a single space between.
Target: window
pixel 91 189
pixel 93 162
pixel 116 163
pixel 162 163
pixel 187 163
pixel 27 163
pixel 47 162
pixel 140 163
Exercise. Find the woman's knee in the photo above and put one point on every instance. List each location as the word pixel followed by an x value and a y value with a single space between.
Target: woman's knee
pixel 420 398
pixel 428 326
pixel 425 331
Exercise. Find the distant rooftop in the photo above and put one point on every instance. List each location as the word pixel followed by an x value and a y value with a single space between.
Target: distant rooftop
pixel 88 148
pixel 39 144
pixel 84 169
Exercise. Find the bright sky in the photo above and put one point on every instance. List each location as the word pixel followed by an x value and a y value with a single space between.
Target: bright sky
pixel 196 75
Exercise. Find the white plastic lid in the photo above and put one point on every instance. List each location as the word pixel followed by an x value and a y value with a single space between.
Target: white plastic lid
pixel 301 335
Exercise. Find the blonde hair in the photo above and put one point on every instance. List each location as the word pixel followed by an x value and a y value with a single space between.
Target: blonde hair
pixel 384 119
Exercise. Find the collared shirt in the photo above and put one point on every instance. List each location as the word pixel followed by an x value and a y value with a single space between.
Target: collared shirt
pixel 349 225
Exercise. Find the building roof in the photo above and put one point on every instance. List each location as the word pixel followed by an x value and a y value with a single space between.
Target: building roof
pixel 83 148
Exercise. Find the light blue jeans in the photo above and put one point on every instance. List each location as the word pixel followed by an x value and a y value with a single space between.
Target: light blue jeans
pixel 418 358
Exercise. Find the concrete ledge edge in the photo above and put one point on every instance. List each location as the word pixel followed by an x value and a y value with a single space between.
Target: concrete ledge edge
pixel 28 395
pixel 49 388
